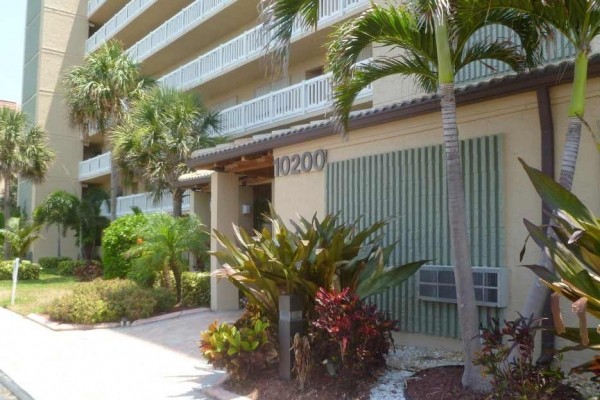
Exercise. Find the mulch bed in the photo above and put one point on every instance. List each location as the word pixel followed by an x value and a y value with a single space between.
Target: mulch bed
pixel 443 383
pixel 321 386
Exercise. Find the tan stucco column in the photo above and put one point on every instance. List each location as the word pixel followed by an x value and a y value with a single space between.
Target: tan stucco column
pixel 200 206
pixel 224 210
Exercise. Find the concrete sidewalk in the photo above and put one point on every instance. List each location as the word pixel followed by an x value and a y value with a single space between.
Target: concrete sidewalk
pixel 159 360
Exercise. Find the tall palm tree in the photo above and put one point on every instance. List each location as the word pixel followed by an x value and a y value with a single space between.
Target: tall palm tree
pixel 579 22
pixel 59 208
pixel 20 235
pixel 24 153
pixel 423 31
pixel 98 94
pixel 162 130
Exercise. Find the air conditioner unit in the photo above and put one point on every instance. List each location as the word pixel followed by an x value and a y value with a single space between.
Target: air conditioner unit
pixel 436 283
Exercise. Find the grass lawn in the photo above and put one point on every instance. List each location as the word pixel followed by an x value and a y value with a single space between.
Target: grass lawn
pixel 33 295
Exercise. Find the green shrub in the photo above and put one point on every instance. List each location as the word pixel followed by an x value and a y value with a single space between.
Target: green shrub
pixel 50 264
pixel 195 289
pixel 165 299
pixel 119 237
pixel 242 350
pixel 65 268
pixel 27 270
pixel 87 270
pixel 106 301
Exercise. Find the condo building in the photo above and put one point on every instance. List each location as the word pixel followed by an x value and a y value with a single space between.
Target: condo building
pixel 284 149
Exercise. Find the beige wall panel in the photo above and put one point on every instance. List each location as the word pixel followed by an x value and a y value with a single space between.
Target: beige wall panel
pixel 299 195
pixel 55 65
pixel 65 33
pixel 78 7
pixel 52 116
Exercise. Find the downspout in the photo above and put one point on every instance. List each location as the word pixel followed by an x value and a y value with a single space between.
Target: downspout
pixel 548 168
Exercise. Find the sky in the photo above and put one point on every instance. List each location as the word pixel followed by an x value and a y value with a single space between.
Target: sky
pixel 12 39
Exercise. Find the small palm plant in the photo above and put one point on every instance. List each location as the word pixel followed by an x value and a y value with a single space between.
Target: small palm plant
pixel 20 235
pixel 162 244
pixel 573 247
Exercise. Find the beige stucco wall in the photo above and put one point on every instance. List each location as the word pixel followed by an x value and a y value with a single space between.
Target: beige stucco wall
pixel 516 118
pixel 62 36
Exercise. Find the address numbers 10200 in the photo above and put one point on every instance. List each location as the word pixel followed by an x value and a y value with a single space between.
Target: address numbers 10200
pixel 299 163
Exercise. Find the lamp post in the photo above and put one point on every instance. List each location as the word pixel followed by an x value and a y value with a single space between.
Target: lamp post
pixel 290 323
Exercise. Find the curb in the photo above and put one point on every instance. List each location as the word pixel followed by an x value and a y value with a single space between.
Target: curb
pixel 12 387
pixel 215 391
pixel 57 326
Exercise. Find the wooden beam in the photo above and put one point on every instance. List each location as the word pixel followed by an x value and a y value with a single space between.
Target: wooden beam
pixel 265 161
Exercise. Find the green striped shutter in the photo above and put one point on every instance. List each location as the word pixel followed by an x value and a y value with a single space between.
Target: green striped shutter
pixel 409 188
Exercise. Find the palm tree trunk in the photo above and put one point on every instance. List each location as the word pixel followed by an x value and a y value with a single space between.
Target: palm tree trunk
pixel 58 240
pixel 538 292
pixel 177 202
pixel 6 212
pixel 459 237
pixel 177 274
pixel 114 188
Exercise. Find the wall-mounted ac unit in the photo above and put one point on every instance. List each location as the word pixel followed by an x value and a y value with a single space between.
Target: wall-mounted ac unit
pixel 436 283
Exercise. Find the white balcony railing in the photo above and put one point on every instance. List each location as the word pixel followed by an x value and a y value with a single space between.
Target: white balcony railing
pixel 132 10
pixel 244 47
pixel 94 167
pixel 93 5
pixel 297 100
pixel 188 18
pixel 145 202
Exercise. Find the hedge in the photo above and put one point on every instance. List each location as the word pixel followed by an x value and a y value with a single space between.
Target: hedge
pixel 27 270
pixel 119 237
pixel 195 289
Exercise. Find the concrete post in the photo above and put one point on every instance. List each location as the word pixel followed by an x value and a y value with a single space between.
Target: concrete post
pixel 224 210
pixel 200 205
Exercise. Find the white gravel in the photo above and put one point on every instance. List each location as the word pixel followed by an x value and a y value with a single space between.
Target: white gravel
pixel 409 359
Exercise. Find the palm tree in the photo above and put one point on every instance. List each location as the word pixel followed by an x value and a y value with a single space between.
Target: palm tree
pixel 422 30
pixel 20 235
pixel 98 93
pixel 579 22
pixel 60 208
pixel 163 241
pixel 91 222
pixel 163 129
pixel 24 153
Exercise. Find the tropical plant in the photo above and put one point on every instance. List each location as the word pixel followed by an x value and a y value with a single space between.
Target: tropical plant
pixel 579 22
pixel 243 351
pixel 519 377
pixel 98 93
pixel 91 220
pixel 159 135
pixel 59 208
pixel 20 235
pixel 325 253
pixel 434 43
pixel 24 153
pixel 573 247
pixel 163 241
pixel 359 336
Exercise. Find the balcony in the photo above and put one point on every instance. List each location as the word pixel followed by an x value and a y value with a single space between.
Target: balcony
pixel 237 51
pixel 128 24
pixel 100 11
pixel 305 99
pixel 95 167
pixel 146 204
